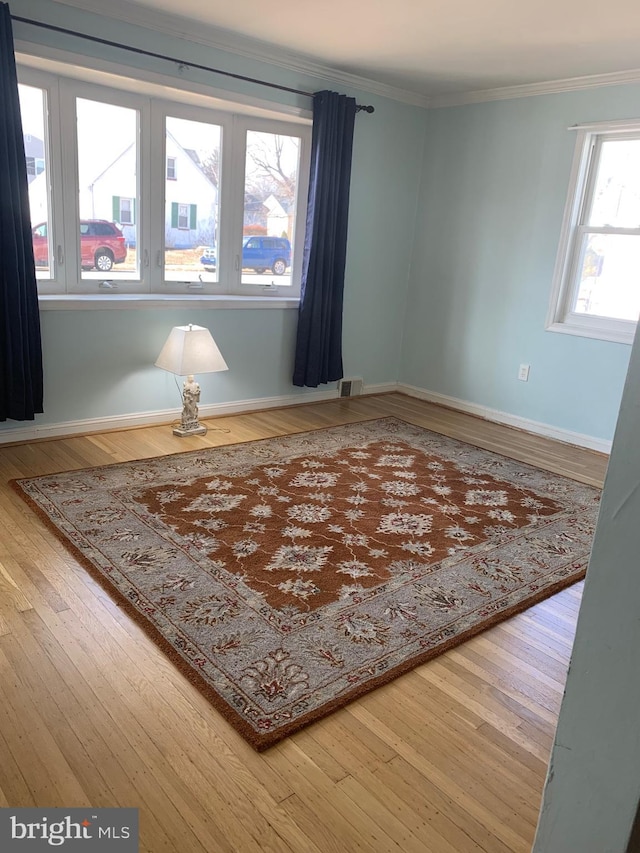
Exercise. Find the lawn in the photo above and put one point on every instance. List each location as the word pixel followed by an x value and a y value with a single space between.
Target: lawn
pixel 176 260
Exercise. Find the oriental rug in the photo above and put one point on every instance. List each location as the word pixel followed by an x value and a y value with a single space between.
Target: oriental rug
pixel 289 575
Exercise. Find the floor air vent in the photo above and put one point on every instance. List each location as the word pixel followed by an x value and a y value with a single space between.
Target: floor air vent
pixel 349 387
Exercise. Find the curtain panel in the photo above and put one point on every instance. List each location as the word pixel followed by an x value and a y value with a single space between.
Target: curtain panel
pixel 318 357
pixel 21 383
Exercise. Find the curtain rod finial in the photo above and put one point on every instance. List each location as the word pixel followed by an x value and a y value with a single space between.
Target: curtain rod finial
pixel 365 108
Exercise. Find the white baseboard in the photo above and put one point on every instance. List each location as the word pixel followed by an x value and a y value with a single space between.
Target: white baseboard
pixel 536 427
pixel 163 416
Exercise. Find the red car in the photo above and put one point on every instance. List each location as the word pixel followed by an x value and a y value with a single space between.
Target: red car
pixel 101 245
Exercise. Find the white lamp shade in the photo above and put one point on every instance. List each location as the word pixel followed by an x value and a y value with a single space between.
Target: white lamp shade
pixel 190 349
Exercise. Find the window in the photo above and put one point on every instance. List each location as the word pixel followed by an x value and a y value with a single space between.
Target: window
pixel 107 161
pixel 35 166
pixel 33 109
pixel 123 210
pixel 183 216
pixel 192 228
pixel 136 194
pixel 597 279
pixel 271 164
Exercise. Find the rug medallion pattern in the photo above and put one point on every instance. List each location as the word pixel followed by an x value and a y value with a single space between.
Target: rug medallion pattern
pixel 289 575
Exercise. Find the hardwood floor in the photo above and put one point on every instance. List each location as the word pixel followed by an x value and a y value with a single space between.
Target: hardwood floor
pixel 450 758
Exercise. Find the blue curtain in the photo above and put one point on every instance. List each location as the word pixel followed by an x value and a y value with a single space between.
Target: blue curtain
pixel 20 348
pixel 319 340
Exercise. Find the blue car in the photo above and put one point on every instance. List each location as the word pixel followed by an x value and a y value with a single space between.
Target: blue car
pixel 258 254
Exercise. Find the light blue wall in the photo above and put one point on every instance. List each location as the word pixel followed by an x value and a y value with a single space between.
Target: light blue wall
pixel 455 311
pixel 495 180
pixel 100 363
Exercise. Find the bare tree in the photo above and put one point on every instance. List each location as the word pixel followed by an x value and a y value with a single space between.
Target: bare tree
pixel 271 168
pixel 211 167
pixel 270 174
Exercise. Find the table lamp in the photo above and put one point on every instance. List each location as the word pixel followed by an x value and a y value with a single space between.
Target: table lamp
pixel 188 350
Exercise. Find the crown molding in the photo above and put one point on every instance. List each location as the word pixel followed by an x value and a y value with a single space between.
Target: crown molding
pixel 227 41
pixel 549 87
pixel 230 42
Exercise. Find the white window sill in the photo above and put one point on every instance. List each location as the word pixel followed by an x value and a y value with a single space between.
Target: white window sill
pixel 620 336
pixel 129 301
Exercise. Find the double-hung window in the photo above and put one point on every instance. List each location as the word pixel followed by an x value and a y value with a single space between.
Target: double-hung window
pixel 597 279
pixel 135 194
pixel 123 210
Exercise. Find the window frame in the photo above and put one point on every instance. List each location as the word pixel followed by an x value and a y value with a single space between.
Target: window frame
pixel 183 216
pixel 51 283
pixel 561 317
pixel 244 124
pixel 131 212
pixel 70 90
pixel 66 280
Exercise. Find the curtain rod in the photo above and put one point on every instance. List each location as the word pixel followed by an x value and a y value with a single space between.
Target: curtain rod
pixel 367 108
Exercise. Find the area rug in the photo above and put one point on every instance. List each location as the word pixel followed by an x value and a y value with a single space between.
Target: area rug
pixel 289 575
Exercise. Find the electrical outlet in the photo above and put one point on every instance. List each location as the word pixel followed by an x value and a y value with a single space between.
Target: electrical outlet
pixel 523 373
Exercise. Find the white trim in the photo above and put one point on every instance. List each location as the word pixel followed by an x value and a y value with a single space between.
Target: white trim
pixel 535 427
pixel 631 125
pixel 164 416
pixel 235 44
pixel 526 90
pixel 128 301
pixel 622 333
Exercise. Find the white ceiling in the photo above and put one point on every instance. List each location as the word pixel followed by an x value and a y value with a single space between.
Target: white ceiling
pixel 431 47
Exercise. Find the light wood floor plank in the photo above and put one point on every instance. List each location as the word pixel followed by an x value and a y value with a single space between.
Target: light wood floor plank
pixel 450 758
pixel 445 818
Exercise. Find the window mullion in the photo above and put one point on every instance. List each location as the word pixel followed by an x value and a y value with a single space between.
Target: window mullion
pixel 56 145
pixel 67 228
pixel 153 158
pixel 232 210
